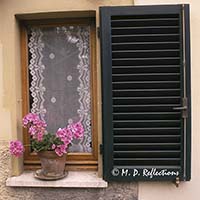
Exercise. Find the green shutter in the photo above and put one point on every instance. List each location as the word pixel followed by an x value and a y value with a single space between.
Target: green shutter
pixel 146 116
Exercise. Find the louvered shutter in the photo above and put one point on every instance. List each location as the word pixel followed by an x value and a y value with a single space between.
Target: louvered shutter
pixel 145 92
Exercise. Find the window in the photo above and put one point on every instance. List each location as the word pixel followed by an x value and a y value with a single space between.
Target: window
pixel 146 92
pixel 59 82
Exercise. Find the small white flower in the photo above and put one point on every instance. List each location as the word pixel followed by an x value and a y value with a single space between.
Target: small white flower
pixel 69 78
pixel 53 100
pixel 70 121
pixel 51 56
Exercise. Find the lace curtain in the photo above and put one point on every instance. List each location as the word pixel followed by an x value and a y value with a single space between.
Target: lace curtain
pixel 59 77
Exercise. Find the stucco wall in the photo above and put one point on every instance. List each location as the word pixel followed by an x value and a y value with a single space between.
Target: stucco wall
pixel 186 190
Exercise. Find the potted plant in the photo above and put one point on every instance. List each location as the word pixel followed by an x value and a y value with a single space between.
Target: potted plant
pixel 50 148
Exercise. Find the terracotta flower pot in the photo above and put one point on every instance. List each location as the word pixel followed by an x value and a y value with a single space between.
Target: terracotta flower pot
pixel 53 166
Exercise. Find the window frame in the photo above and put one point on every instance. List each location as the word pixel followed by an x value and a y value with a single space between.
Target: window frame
pixel 75 161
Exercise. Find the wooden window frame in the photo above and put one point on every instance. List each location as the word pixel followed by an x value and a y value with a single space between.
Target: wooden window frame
pixel 75 161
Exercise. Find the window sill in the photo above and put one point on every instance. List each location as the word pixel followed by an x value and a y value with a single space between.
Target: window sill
pixel 74 179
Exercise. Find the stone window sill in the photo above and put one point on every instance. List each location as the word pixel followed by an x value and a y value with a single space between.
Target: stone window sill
pixel 74 179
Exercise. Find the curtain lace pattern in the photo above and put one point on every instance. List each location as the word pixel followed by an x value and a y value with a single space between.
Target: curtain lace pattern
pixel 59 78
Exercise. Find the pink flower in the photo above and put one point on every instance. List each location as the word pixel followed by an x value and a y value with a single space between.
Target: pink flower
pixel 40 123
pixel 25 122
pixel 60 150
pixel 77 130
pixel 31 119
pixel 37 132
pixel 16 148
pixel 36 126
pixel 61 133
pixel 65 135
pixel 40 136
pixel 69 136
pixel 32 130
pixel 62 139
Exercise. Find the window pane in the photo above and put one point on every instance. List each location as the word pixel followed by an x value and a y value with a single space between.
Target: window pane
pixel 59 78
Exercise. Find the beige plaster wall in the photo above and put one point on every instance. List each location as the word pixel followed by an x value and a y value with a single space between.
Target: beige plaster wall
pixel 4 114
pixel 188 190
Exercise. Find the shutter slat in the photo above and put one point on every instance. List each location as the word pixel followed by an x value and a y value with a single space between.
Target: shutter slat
pixel 146 115
pixel 146 77
pixel 149 74
pixel 148 66
pixel 142 57
pixel 145 92
pixel 146 69
pixel 145 38
pixel 145 53
pixel 145 107
pixel 147 131
pixel 144 27
pixel 145 61
pixel 143 35
pixel 144 22
pixel 146 100
pixel 167 153
pixel 146 84
pixel 144 19
pixel 145 123
pixel 146 138
pixel 145 30
pixel 146 146
pixel 145 45
pixel 147 154
pixel 155 161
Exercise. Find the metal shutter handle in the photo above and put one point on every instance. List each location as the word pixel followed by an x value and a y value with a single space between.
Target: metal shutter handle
pixel 183 108
pixel 180 108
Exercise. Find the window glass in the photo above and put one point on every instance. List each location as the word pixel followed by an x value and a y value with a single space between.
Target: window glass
pixel 59 78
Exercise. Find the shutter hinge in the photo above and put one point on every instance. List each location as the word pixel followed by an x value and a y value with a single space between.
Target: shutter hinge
pixel 183 108
pixel 98 32
pixel 101 149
